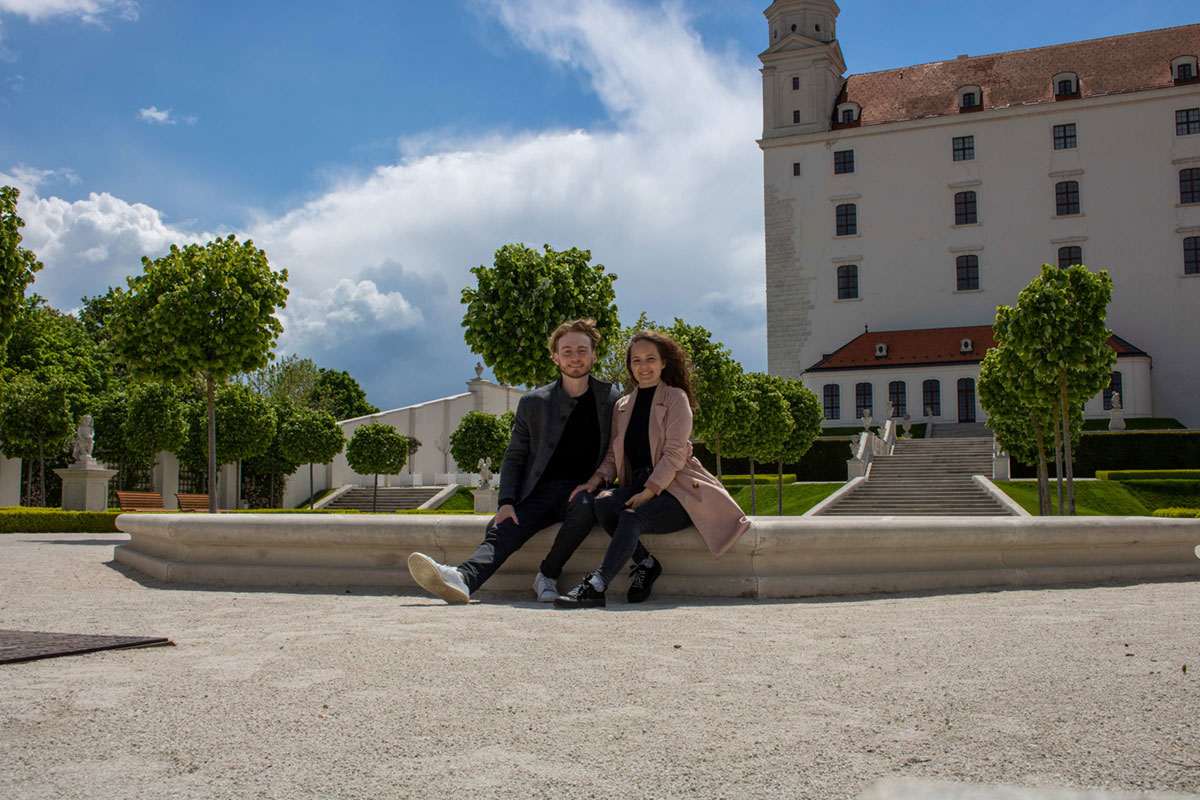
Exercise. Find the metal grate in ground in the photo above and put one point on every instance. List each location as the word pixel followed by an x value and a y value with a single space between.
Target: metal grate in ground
pixel 16 646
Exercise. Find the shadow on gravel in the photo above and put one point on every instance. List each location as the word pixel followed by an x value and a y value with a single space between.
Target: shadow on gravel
pixel 411 597
pixel 109 542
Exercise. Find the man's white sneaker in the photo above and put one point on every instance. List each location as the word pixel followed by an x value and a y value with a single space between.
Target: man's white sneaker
pixel 545 588
pixel 446 582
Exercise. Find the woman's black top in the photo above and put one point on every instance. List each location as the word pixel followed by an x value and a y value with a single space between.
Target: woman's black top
pixel 637 435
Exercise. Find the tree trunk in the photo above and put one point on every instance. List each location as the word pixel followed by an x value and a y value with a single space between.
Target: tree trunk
pixel 1058 470
pixel 1067 457
pixel 375 493
pixel 312 502
pixel 28 482
pixel 271 501
pixel 212 445
pixel 780 487
pixel 717 441
pixel 753 494
pixel 42 472
pixel 1043 472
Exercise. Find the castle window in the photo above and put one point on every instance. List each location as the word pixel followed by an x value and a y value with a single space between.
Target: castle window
pixel 1066 84
pixel 1064 137
pixel 847 219
pixel 966 210
pixel 795 84
pixel 1187 121
pixel 1069 256
pixel 843 162
pixel 862 400
pixel 964 148
pixel 931 391
pixel 1065 88
pixel 847 116
pixel 1066 198
pixel 1183 69
pixel 795 117
pixel 966 269
pixel 898 395
pixel 1184 72
pixel 1191 255
pixel 1114 385
pixel 848 113
pixel 969 97
pixel 796 169
pixel 1189 186
pixel 847 279
pixel 832 401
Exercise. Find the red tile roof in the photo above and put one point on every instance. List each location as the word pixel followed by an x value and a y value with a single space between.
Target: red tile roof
pixel 1112 65
pixel 927 347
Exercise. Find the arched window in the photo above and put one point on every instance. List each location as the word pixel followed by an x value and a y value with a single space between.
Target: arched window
pixel 931 397
pixel 898 396
pixel 847 282
pixel 969 97
pixel 966 270
pixel 1069 256
pixel 832 401
pixel 847 219
pixel 1114 385
pixel 848 113
pixel 1189 185
pixel 966 210
pixel 1066 198
pixel 1183 68
pixel 862 400
pixel 1066 84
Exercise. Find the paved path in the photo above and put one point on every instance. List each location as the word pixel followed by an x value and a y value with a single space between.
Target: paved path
pixel 274 694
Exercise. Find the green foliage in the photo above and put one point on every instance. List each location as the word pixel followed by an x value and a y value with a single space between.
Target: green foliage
pixel 1148 474
pixel 274 461
pixel 310 436
pixel 377 449
pixel 1156 450
pixel 798 498
pixel 518 302
pixel 338 393
pixel 730 481
pixel 53 520
pixel 509 418
pixel 715 381
pixel 17 265
pixel 245 427
pixel 806 413
pixel 154 419
pixel 1165 493
pixel 109 412
pixel 200 310
pixel 824 461
pixel 1177 513
pixel 55 347
pixel 291 379
pixel 462 500
pixel 35 421
pixel 759 424
pixel 611 366
pixel 479 435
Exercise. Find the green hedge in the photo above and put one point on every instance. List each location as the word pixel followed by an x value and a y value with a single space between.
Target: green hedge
pixel 824 461
pixel 1158 450
pixel 1148 474
pixel 1178 513
pixel 55 520
pixel 759 478
pixel 1137 424
pixel 1165 494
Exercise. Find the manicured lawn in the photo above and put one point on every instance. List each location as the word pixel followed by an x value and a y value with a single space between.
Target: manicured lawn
pixel 1155 494
pixel 797 497
pixel 463 500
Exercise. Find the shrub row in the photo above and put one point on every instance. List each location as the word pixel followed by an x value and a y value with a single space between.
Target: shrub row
pixel 824 461
pixel 1148 474
pixel 1178 513
pixel 55 520
pixel 759 478
pixel 1136 424
pixel 1158 450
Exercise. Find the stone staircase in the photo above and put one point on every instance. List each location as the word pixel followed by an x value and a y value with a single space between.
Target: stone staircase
pixel 389 500
pixel 925 477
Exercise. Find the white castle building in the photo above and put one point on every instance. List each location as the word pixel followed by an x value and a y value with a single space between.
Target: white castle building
pixel 902 207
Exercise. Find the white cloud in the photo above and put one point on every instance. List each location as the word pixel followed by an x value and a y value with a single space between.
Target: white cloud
pixel 164 116
pixel 87 10
pixel 668 197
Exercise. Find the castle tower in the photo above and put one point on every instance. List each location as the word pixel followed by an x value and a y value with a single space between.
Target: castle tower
pixel 803 67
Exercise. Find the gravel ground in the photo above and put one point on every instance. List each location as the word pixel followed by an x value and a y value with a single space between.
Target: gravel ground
pixel 294 694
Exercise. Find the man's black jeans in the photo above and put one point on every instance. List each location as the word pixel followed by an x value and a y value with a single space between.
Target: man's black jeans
pixel 545 505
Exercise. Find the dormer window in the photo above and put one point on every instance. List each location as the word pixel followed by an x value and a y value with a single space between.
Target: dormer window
pixel 970 98
pixel 1183 69
pixel 847 113
pixel 1066 84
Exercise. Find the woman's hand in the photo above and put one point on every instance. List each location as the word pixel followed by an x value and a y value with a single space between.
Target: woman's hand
pixel 639 498
pixel 590 487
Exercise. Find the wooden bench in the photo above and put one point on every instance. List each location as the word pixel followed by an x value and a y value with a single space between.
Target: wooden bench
pixel 140 501
pixel 192 502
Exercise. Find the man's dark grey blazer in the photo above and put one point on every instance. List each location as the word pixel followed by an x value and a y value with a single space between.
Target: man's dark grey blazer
pixel 541 417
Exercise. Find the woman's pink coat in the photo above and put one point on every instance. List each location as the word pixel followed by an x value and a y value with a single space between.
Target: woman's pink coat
pixel 716 516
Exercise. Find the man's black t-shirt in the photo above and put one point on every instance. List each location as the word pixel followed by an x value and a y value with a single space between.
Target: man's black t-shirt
pixel 578 448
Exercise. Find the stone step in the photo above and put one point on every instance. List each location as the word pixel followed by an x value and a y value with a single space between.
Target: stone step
pixel 389 499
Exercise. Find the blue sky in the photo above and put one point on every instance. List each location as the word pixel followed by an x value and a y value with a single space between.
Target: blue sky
pixel 379 150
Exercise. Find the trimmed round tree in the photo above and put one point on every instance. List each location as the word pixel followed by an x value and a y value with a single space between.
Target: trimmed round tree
pixel 760 425
pixel 479 435
pixel 154 420
pixel 201 311
pixel 714 380
pixel 518 302
pixel 247 424
pixel 310 436
pixel 35 417
pixel 375 449
pixel 806 412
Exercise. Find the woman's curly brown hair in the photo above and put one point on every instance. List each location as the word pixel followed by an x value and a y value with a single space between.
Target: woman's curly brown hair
pixel 675 362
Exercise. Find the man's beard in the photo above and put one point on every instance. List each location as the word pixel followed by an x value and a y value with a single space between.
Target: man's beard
pixel 575 372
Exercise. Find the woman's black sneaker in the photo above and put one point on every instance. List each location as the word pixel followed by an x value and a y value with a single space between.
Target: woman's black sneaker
pixel 643 580
pixel 582 596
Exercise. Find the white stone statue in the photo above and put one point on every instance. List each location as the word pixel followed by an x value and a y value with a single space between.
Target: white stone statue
pixel 889 410
pixel 1116 421
pixel 854 445
pixel 907 426
pixel 485 473
pixel 866 419
pixel 478 370
pixel 85 440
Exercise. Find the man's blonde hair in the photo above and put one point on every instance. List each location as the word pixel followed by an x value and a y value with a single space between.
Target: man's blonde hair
pixel 585 326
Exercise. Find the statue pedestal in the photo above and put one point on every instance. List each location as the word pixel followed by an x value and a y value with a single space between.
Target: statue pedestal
pixel 85 486
pixel 486 500
pixel 1001 467
pixel 1116 420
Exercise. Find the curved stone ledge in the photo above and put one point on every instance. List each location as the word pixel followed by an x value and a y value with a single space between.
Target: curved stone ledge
pixel 778 557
